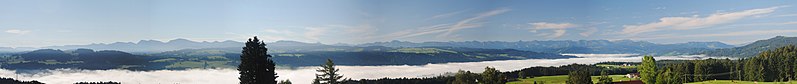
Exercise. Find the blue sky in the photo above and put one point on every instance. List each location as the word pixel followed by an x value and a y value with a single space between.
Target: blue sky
pixel 36 23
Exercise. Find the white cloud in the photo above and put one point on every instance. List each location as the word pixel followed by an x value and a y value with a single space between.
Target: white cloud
pixel 559 29
pixel 16 31
pixel 695 22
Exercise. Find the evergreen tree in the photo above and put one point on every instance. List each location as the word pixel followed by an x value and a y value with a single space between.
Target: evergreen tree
pixel 579 76
pixel 521 75
pixel 464 77
pixel 666 76
pixel 604 79
pixel 256 65
pixel 285 82
pixel 329 74
pixel 647 70
pixel 317 80
pixel 492 76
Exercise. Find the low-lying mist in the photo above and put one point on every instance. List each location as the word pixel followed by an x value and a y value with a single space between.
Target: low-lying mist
pixel 304 75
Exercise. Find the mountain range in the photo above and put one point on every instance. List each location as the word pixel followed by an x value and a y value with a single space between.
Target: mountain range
pixel 564 46
pixel 579 46
pixel 151 46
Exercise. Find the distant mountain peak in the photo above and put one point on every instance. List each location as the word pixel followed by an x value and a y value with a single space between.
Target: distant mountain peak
pixel 782 37
pixel 148 41
pixel 179 40
pixel 287 41
pixel 292 43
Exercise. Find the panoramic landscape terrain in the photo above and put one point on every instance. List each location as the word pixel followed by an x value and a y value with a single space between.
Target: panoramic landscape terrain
pixel 397 42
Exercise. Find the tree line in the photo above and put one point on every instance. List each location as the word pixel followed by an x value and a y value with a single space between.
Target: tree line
pixel 775 65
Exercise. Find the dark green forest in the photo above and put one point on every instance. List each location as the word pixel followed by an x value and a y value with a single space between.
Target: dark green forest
pixel 776 65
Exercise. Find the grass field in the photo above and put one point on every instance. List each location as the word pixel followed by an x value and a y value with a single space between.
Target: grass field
pixel 560 79
pixel 739 82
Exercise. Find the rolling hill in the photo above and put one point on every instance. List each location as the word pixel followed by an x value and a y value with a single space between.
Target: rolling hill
pixel 754 48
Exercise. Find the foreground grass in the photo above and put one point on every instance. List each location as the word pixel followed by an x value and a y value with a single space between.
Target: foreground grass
pixel 560 79
pixel 739 82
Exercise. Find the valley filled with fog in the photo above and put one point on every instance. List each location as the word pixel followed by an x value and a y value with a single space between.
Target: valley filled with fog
pixel 304 75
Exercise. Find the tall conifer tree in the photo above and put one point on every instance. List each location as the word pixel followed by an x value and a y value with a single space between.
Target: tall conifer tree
pixel 647 70
pixel 256 65
pixel 329 74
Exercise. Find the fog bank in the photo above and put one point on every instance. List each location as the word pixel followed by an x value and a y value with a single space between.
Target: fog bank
pixel 304 75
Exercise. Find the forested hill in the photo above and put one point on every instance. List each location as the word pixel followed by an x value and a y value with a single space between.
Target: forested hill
pixel 754 48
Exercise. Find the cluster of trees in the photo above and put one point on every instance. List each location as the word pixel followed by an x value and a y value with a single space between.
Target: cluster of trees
pixel 13 81
pixel 429 80
pixel 772 66
pixel 583 75
pixel 605 79
pixel 285 82
pixel 257 67
pixel 579 76
pixel 565 70
pixel 109 82
pixel 489 76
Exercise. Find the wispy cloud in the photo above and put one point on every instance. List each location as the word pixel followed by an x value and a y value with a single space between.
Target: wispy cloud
pixel 317 32
pixel 275 31
pixel 446 28
pixel 546 25
pixel 17 31
pixel 695 22
pixel 726 34
pixel 559 29
pixel 660 8
pixel 589 31
pixel 787 15
pixel 314 33
pixel 446 15
pixel 469 23
pixel 768 24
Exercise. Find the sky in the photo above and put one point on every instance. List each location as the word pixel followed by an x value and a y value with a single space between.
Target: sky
pixel 38 23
